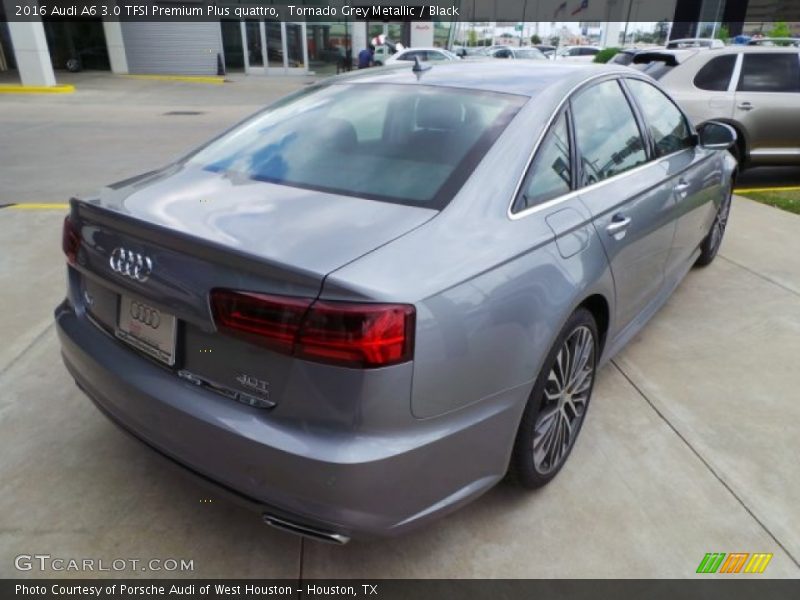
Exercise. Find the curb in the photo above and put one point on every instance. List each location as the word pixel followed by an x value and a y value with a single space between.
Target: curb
pixel 183 78
pixel 37 206
pixel 36 89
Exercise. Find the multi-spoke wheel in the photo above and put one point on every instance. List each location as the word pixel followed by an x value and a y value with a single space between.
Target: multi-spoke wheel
pixel 712 242
pixel 557 405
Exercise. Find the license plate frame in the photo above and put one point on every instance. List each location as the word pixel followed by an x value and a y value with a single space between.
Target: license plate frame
pixel 147 328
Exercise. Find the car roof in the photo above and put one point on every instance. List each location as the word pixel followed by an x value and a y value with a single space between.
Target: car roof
pixel 683 54
pixel 526 78
pixel 421 48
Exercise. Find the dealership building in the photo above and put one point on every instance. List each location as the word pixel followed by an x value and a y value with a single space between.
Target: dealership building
pixel 259 46
pixel 39 47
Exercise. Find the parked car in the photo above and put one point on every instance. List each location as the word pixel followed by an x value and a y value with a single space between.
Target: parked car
pixel 362 307
pixel 517 53
pixel 486 50
pixel 577 53
pixel 755 89
pixel 624 56
pixel 695 43
pixel 424 54
pixel 465 51
pixel 546 49
pixel 774 41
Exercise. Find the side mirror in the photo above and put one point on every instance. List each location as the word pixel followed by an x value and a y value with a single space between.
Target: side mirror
pixel 716 136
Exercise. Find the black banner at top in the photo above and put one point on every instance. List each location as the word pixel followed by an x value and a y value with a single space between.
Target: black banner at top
pixel 504 11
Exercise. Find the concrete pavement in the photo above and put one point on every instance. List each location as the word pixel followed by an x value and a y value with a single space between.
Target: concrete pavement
pixel 690 445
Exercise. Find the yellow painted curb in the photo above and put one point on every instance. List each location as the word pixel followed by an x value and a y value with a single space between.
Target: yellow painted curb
pixel 788 188
pixel 36 89
pixel 184 78
pixel 40 206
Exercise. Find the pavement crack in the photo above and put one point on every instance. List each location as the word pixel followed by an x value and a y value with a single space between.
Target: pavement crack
pixel 708 466
pixel 30 345
pixel 760 275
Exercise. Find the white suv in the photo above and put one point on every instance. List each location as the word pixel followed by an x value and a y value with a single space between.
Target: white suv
pixel 754 89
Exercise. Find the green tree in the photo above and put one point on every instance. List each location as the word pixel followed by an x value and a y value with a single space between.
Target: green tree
pixel 723 33
pixel 472 38
pixel 780 29
pixel 605 55
pixel 662 29
pixel 535 39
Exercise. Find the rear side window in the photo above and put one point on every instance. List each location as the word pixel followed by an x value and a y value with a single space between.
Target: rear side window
pixel 550 175
pixel 656 69
pixel 666 123
pixel 607 136
pixel 774 72
pixel 410 144
pixel 412 55
pixel 715 76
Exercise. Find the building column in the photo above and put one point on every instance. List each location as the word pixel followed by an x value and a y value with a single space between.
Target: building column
pixel 31 53
pixel 358 36
pixel 116 46
pixel 421 34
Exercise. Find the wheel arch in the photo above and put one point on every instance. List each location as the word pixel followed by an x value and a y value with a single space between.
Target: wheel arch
pixel 742 140
pixel 598 305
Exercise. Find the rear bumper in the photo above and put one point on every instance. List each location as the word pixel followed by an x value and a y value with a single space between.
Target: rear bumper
pixel 347 483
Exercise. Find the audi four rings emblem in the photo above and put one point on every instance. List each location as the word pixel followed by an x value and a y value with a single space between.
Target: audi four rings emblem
pixel 131 264
pixel 145 314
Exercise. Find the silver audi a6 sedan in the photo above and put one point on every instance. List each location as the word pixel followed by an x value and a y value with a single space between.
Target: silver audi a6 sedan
pixel 364 306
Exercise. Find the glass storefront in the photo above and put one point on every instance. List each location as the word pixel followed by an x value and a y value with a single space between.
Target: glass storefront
pixel 329 46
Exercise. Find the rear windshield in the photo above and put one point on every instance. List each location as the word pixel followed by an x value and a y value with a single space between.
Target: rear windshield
pixel 399 143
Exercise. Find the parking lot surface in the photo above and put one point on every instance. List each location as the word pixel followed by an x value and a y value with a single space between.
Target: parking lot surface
pixel 690 447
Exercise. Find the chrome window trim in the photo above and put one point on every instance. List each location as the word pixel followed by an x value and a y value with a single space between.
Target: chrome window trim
pixel 590 188
pixel 557 112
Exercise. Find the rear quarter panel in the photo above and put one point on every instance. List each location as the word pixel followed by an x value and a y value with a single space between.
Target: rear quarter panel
pixel 491 292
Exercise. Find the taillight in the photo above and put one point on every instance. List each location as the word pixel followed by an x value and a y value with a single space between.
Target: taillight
pixel 70 240
pixel 271 321
pixel 341 333
pixel 360 335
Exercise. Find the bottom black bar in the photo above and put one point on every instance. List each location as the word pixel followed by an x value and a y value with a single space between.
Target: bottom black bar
pixel 727 588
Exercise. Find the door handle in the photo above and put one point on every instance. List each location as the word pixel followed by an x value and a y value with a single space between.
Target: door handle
pixel 619 223
pixel 681 187
pixel 745 106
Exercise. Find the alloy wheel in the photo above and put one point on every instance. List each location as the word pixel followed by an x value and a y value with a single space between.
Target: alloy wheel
pixel 566 396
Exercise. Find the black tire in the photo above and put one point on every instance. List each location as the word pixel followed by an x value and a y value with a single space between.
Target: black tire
pixel 738 150
pixel 713 240
pixel 525 468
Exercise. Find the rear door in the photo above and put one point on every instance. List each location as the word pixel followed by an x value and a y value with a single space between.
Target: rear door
pixel 768 102
pixel 708 92
pixel 630 201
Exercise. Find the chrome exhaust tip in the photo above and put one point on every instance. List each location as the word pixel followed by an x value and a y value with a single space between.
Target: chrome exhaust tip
pixel 305 530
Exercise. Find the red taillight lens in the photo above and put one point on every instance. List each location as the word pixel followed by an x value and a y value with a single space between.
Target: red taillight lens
pixel 358 335
pixel 70 240
pixel 341 333
pixel 271 321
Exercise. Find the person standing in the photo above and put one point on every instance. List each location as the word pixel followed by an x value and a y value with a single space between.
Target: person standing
pixel 366 56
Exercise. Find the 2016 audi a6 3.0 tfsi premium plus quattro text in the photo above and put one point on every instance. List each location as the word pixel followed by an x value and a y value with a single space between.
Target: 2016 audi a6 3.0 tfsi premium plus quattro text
pixel 364 306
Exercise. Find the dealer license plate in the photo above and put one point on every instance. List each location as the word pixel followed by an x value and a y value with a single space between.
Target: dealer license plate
pixel 147 328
